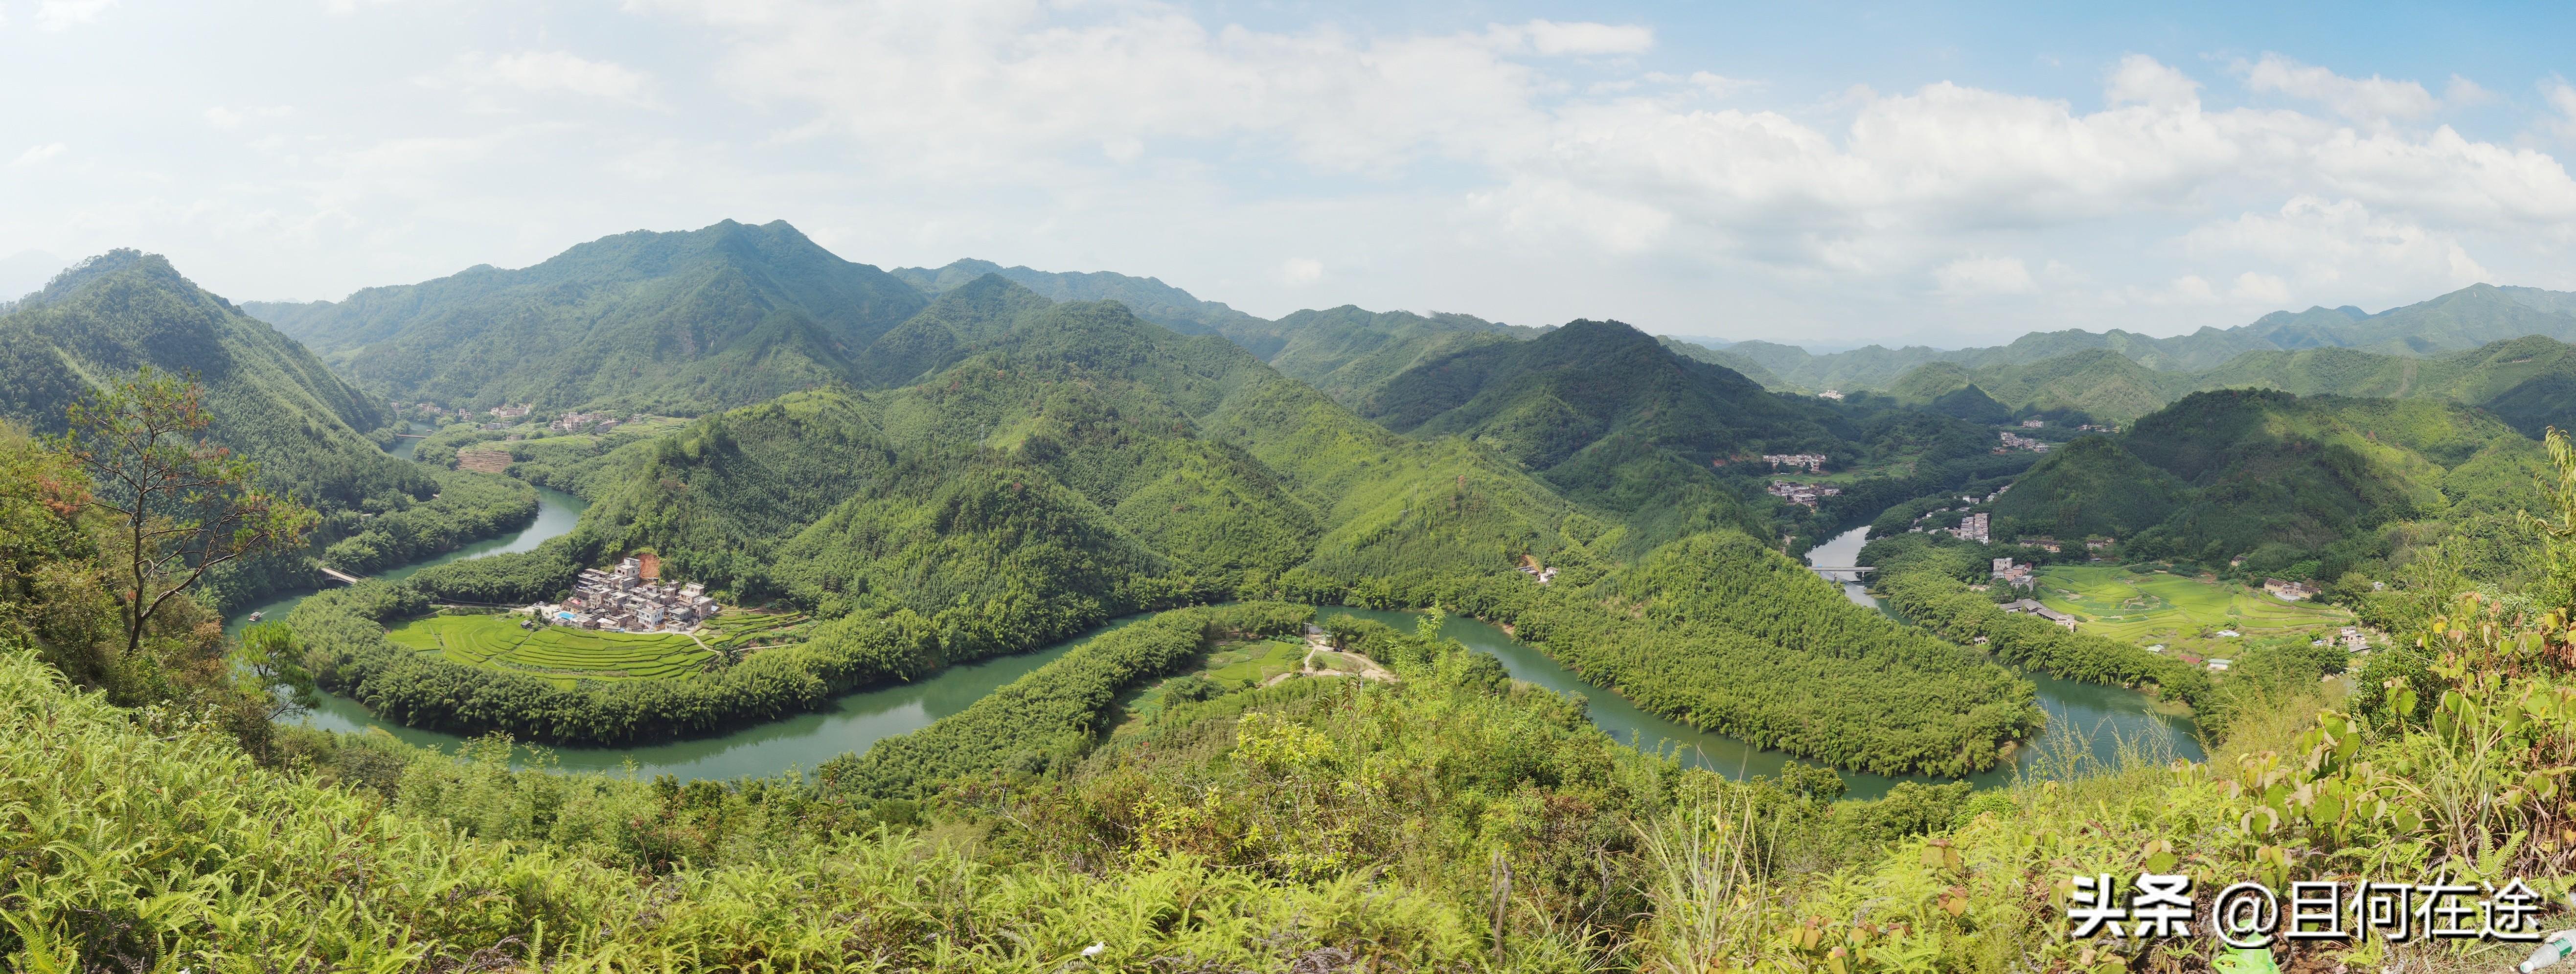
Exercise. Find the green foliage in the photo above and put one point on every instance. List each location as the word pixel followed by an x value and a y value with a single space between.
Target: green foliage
pixel 1719 633
pixel 2219 474
pixel 1611 419
pixel 1049 717
pixel 272 401
pixel 468 507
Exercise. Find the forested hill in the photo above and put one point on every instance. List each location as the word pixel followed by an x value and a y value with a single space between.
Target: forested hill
pixel 1345 351
pixel 2279 478
pixel 2461 320
pixel 273 401
pixel 1173 464
pixel 1148 297
pixel 664 322
pixel 1611 418
pixel 2529 382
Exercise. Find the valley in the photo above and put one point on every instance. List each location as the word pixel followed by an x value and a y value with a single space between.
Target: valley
pixel 1003 552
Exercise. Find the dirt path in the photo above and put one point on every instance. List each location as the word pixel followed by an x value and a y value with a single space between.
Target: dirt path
pixel 1369 668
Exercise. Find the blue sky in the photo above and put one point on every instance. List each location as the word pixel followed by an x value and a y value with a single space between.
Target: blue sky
pixel 1828 174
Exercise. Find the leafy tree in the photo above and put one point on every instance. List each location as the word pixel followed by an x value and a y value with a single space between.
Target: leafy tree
pixel 273 661
pixel 181 504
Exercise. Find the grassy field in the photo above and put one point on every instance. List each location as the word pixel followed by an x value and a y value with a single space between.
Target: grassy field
pixel 557 653
pixel 1234 665
pixel 753 630
pixel 2185 614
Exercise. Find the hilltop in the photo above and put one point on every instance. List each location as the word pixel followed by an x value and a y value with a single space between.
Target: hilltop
pixel 662 322
pixel 1608 416
pixel 2281 479
pixel 311 432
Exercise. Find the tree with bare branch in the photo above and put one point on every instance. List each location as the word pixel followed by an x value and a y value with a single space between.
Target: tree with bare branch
pixel 180 504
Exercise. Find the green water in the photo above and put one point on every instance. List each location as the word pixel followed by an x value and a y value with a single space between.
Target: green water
pixel 557 512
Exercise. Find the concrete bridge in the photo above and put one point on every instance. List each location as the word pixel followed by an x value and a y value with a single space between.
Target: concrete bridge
pixel 339 576
pixel 1857 569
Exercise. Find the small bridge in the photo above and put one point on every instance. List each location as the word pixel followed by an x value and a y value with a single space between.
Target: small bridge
pixel 339 576
pixel 1856 569
pixel 411 436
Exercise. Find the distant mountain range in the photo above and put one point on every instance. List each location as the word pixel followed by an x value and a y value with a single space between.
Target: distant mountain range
pixel 2461 320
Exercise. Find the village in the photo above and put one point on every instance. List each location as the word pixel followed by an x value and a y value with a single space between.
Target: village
pixel 628 598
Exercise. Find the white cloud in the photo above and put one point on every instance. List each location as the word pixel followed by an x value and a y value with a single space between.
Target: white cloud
pixel 2371 99
pixel 64 14
pixel 232 118
pixel 2562 99
pixel 543 72
pixel 38 154
pixel 1300 271
pixel 1552 39
pixel 2340 246
pixel 2463 93
pixel 1972 276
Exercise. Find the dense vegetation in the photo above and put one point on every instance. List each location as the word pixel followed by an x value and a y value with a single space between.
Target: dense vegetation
pixel 1720 633
pixel 1451 819
pixel 2305 486
pixel 467 507
pixel 1611 419
pixel 1050 717
pixel 312 433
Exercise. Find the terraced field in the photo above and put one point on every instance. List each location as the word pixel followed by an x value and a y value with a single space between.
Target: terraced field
pixel 753 630
pixel 2184 614
pixel 560 654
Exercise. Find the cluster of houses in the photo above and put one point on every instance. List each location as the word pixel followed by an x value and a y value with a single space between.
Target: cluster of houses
pixel 1529 566
pixel 511 412
pixel 2098 428
pixel 2290 591
pixel 1971 528
pixel 1833 394
pixel 627 599
pixel 1798 493
pixel 2016 441
pixel 2032 424
pixel 578 422
pixel 1814 462
pixel 2017 576
pixel 2032 607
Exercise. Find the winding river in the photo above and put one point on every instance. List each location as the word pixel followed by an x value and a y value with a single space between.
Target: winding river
pixel 2087 723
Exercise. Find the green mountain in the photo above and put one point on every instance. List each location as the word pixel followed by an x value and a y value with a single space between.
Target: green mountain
pixel 1611 418
pixel 2241 472
pixel 1148 297
pixel 2458 321
pixel 2529 382
pixel 940 334
pixel 1351 353
pixel 274 402
pixel 2100 384
pixel 1743 365
pixel 1181 460
pixel 663 322
pixel 1345 351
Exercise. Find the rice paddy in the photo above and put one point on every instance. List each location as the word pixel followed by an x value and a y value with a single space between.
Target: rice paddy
pixel 559 654
pixel 2184 614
